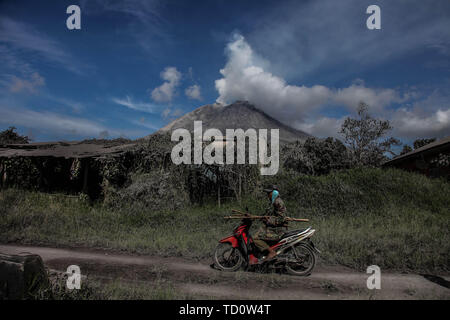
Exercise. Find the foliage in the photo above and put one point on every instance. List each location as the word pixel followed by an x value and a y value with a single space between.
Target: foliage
pixel 316 156
pixel 365 135
pixel 10 136
pixel 406 149
pixel 419 143
pixel 21 172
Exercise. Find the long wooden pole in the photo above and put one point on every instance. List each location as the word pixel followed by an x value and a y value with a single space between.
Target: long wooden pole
pixel 241 215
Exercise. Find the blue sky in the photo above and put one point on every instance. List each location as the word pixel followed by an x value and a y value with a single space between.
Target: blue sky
pixel 136 65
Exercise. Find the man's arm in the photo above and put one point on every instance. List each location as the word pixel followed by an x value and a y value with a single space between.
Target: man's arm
pixel 279 214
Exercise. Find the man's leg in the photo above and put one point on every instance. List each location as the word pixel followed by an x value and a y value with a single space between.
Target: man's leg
pixel 263 246
pixel 271 255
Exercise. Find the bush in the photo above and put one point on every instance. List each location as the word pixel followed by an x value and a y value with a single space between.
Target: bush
pixel 361 190
pixel 316 156
pixel 10 136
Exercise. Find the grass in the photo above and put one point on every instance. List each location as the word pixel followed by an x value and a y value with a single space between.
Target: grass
pixel 96 289
pixel 390 218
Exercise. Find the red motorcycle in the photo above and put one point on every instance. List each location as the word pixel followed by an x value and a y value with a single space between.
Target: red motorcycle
pixel 295 251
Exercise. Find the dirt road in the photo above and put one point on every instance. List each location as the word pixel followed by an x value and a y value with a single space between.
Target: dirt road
pixel 197 278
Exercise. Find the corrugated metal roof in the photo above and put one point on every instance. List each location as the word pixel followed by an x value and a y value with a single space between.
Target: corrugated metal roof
pixel 427 147
pixel 73 149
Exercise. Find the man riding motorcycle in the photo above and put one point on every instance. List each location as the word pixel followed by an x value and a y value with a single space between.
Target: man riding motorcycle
pixel 273 226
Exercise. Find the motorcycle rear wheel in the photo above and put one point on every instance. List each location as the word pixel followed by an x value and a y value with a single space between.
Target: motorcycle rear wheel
pixel 228 258
pixel 304 258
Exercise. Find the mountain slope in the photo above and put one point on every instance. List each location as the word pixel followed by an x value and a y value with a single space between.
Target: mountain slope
pixel 238 115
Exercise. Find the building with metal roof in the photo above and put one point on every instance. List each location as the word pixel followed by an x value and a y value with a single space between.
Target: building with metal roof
pixel 432 159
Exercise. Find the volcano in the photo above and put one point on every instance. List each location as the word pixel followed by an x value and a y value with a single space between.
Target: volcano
pixel 238 115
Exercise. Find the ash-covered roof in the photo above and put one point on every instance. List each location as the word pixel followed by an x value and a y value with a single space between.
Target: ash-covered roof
pixel 431 147
pixel 72 149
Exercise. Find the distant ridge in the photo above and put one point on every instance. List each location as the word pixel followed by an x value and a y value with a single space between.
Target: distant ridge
pixel 238 115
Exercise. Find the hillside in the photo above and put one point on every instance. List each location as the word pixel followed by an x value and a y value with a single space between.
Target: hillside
pixel 240 114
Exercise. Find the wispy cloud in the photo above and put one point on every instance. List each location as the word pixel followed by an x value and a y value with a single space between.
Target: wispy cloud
pixel 63 126
pixel 50 122
pixel 146 24
pixel 138 106
pixel 142 122
pixel 74 106
pixel 29 85
pixel 301 38
pixel 22 36
pixel 13 63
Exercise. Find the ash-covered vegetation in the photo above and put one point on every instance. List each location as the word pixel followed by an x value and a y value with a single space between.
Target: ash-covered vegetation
pixel 144 175
pixel 139 201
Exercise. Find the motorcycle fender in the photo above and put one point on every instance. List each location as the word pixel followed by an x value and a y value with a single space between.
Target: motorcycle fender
pixel 231 239
pixel 314 247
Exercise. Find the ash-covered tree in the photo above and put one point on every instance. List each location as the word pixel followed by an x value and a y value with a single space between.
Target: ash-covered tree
pixel 316 156
pixel 365 136
pixel 419 143
pixel 10 136
pixel 406 149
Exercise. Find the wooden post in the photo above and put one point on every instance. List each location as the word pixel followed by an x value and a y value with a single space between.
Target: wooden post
pixel 218 195
pixel 4 176
pixel 1 174
pixel 85 177
pixel 240 191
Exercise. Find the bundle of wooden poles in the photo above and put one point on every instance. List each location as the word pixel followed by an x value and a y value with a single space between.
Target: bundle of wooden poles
pixel 245 215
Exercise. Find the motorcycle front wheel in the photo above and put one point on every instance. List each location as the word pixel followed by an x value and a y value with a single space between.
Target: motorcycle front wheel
pixel 228 258
pixel 301 260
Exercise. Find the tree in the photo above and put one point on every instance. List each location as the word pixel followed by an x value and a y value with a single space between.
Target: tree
pixel 316 156
pixel 406 149
pixel 10 136
pixel 419 143
pixel 365 137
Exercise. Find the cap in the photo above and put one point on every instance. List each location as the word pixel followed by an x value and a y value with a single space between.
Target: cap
pixel 270 188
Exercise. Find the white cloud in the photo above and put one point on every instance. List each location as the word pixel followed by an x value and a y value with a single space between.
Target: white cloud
pixel 51 122
pixel 194 92
pixel 21 36
pixel 30 85
pixel 409 124
pixel 425 117
pixel 138 106
pixel 244 78
pixel 377 99
pixel 166 91
pixel 321 127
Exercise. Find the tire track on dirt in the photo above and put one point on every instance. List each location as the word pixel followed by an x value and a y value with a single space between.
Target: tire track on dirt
pixel 197 278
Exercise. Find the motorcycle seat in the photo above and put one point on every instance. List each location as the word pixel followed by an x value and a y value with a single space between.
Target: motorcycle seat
pixel 293 232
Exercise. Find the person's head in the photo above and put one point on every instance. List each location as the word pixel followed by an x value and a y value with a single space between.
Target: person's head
pixel 272 192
